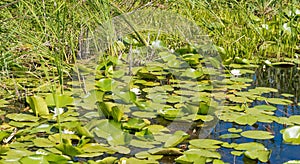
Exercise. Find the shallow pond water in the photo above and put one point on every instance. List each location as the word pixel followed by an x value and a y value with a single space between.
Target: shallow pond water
pixel 286 80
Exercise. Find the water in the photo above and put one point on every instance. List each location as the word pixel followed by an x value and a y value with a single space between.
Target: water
pixel 286 80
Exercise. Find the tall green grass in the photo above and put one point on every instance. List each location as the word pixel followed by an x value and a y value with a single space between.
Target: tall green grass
pixel 50 32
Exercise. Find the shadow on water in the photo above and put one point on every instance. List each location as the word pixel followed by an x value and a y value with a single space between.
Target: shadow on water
pixel 286 80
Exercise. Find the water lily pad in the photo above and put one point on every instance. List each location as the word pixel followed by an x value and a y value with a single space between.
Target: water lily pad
pixel 206 143
pixel 262 155
pixel 257 134
pixel 246 119
pixel 295 119
pixel 203 153
pixel 135 124
pixel 292 162
pixel 165 151
pixel 237 153
pixel 176 138
pixel 279 101
pixel 38 105
pixel 137 161
pixel 190 158
pixel 106 84
pixel 22 117
pixel 234 130
pixel 145 114
pixel 96 148
pixel 265 107
pixel 226 136
pixel 250 146
pixel 34 159
pixel 141 144
pixel 146 155
pixel 43 142
pixel 3 103
pixel 59 100
pixel 291 135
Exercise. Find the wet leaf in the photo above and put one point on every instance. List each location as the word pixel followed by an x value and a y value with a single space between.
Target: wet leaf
pixel 22 117
pixel 176 138
pixel 59 100
pixel 262 155
pixel 257 134
pixel 206 143
pixel 226 136
pixel 43 142
pixel 38 105
pixel 34 159
pixel 291 135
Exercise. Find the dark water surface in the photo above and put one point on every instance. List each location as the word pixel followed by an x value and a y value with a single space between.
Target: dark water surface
pixel 286 80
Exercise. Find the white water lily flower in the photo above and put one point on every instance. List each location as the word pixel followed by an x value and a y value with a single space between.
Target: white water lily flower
pixel 268 62
pixel 265 26
pixel 57 111
pixel 235 72
pixel 123 161
pixel 156 44
pixel 66 131
pixel 40 152
pixel 136 91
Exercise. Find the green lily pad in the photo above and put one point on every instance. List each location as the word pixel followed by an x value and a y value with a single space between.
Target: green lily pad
pixel 246 119
pixel 34 159
pixel 22 117
pixel 3 103
pixel 146 155
pixel 165 151
pixel 226 136
pixel 96 148
pixel 176 138
pixel 291 135
pixel 43 142
pixel 257 134
pixel 106 84
pixel 135 124
pixel 295 119
pixel 265 107
pixel 59 100
pixel 145 114
pixel 141 144
pixel 137 161
pixel 292 162
pixel 237 153
pixel 249 146
pixel 203 153
pixel 38 105
pixel 206 143
pixel 262 155
pixel 190 158
pixel 279 101
pixel 234 130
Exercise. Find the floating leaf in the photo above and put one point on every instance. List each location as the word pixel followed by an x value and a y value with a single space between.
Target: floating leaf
pixel 165 151
pixel 226 136
pixel 257 134
pixel 34 159
pixel 176 138
pixel 59 100
pixel 206 143
pixel 249 146
pixel 265 107
pixel 203 153
pixel 38 105
pixel 22 117
pixel 190 158
pixel 146 155
pixel 279 101
pixel 246 119
pixel 135 124
pixel 262 155
pixel 291 135
pixel 292 162
pixel 295 119
pixel 234 130
pixel 237 153
pixel 43 142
